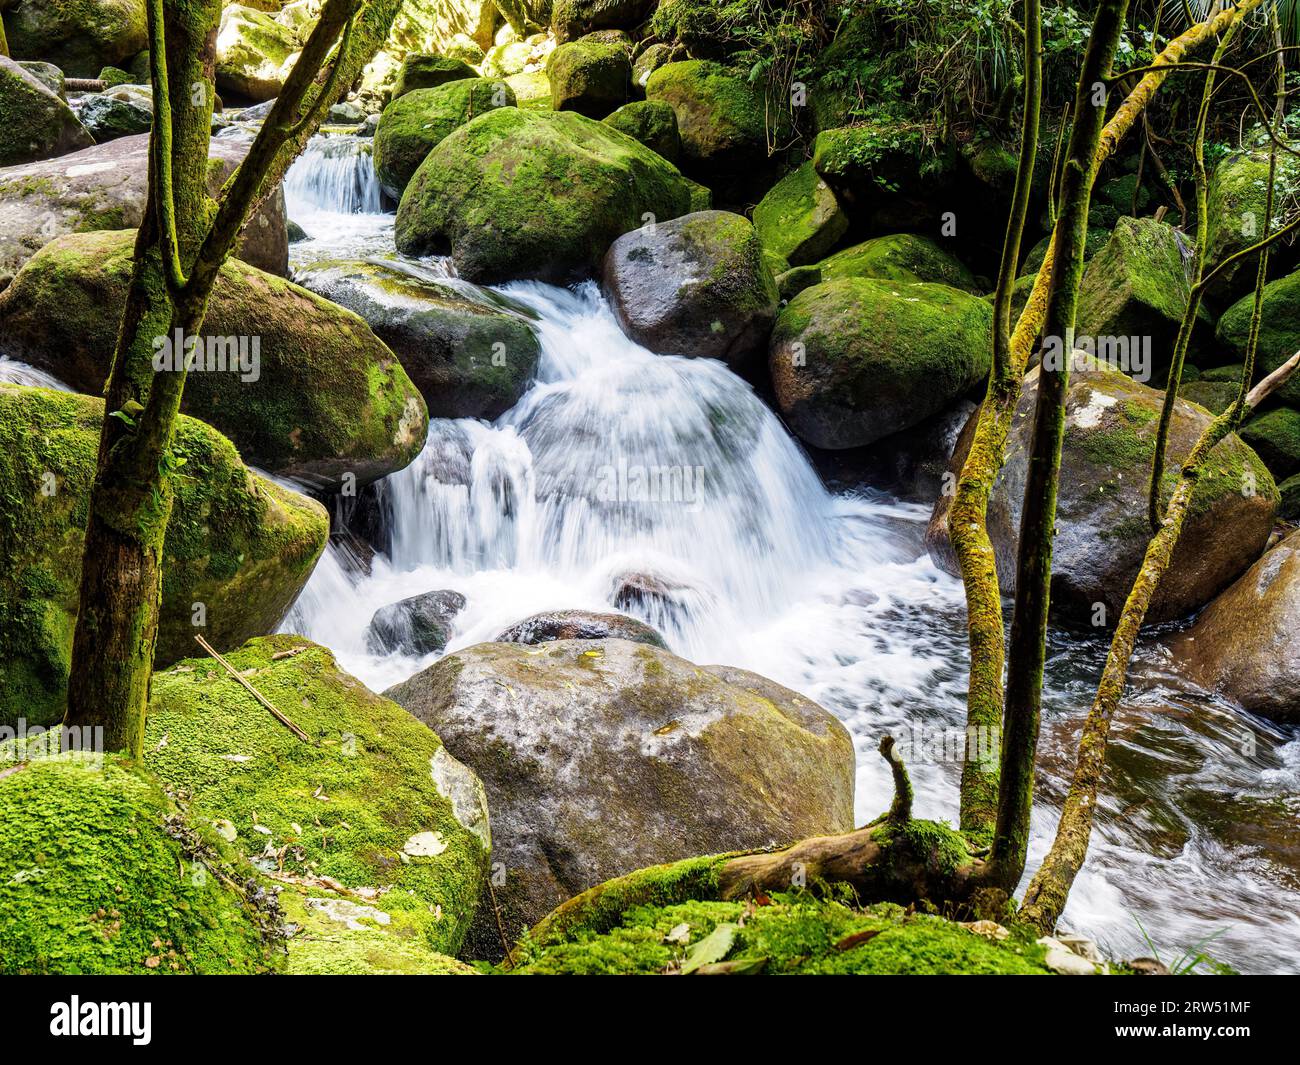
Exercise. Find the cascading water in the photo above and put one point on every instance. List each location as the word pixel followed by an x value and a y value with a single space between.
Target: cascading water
pixel 335 174
pixel 668 477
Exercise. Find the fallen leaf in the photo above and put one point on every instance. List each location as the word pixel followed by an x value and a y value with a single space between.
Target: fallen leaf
pixel 857 939
pixel 679 934
pixel 740 967
pixel 712 948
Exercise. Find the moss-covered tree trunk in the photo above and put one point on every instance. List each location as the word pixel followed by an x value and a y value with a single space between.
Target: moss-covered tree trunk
pixel 181 244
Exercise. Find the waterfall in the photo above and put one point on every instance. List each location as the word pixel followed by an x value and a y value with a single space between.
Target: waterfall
pixel 334 174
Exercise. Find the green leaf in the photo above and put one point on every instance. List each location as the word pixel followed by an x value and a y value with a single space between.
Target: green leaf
pixel 712 948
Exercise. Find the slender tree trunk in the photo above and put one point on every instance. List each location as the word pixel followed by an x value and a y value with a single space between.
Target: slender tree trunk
pixel 183 232
pixel 1028 644
pixel 979 781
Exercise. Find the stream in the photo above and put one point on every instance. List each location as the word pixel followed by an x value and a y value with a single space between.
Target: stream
pixel 829 593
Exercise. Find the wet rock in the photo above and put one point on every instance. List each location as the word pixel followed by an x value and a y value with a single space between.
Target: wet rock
pixel 107 118
pixel 418 625
pixel 695 286
pixel 468 359
pixel 604 756
pixel 1243 644
pixel 1102 529
pixel 579 625
pixel 857 359
pixel 37 124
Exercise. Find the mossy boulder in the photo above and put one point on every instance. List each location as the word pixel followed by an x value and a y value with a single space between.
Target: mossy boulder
pixel 883 166
pixel 1101 523
pixel 469 359
pixel 1235 210
pixel 856 359
pixel 538 194
pixel 237 544
pixel 102 873
pixel 1289 490
pixel 652 123
pixel 1243 644
pixel 800 218
pixel 589 77
pixel 107 117
pixel 106 187
pixel 1279 331
pixel 905 258
pixel 697 285
pixel 571 19
pixel 721 117
pixel 579 625
pixel 421 70
pixel 1275 436
pixel 1136 289
pixel 323 399
pixel 411 126
pixel 676 760
pixel 376 835
pixel 79 36
pixel 254 53
pixel 48 75
pixel 650 60
pixel 34 122
pixel 799 933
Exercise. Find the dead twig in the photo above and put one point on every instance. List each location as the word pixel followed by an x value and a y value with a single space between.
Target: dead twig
pixel 253 691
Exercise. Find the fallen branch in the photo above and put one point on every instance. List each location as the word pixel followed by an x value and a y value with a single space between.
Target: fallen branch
pixel 253 691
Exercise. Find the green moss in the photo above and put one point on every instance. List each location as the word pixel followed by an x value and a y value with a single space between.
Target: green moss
pixel 101 873
pixel 589 77
pixel 721 117
pixel 1275 436
pixel 542 194
pixel 652 123
pixel 238 544
pixel 901 257
pixel 411 126
pixel 800 218
pixel 1279 331
pixel 793 933
pixel 344 806
pixel 421 70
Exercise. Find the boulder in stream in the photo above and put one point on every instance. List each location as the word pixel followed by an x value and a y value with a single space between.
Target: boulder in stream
pixel 238 549
pixel 416 625
pixel 800 218
pixel 604 756
pixel 1102 529
pixel 1243 645
pixel 302 386
pixel 534 194
pixel 697 285
pixel 579 625
pixel 79 36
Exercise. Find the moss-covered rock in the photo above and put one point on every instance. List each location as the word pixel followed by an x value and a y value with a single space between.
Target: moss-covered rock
pixel 322 399
pixel 537 194
pixel 80 36
pixel 697 26
pixel 1279 331
pixel 800 218
pixel 532 89
pixel 34 122
pixel 652 123
pixel 677 760
pixel 376 835
pixel 791 934
pixel 422 70
pixel 1289 490
pixel 579 625
pixel 651 60
pixel 238 546
pixel 884 154
pixel 106 117
pixel 1235 214
pixel 905 258
pixel 1102 530
pixel 1136 287
pixel 722 118
pixel 856 359
pixel 574 18
pixel 589 77
pixel 468 359
pixel 254 53
pixel 1243 644
pixel 1275 436
pixel 411 126
pixel 696 286
pixel 101 873
pixel 105 187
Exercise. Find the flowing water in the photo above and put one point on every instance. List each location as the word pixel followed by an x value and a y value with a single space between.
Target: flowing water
pixel 753 562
